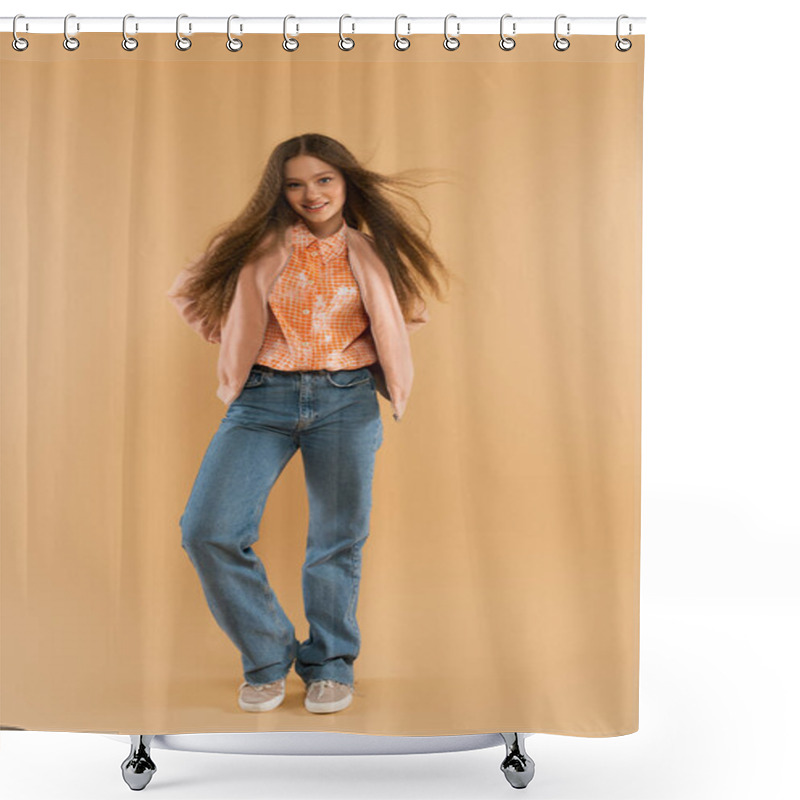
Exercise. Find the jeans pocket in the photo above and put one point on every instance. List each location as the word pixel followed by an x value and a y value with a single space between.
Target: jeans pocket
pixel 347 378
pixel 255 378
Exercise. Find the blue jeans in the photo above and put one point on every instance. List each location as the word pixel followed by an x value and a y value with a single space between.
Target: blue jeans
pixel 334 418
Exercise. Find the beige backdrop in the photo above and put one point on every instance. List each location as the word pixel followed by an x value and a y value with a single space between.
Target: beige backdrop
pixel 500 587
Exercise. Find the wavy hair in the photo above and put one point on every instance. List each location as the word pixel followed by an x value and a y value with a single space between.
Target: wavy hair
pixel 400 243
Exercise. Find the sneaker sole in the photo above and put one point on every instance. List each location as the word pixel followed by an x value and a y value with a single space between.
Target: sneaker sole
pixel 265 706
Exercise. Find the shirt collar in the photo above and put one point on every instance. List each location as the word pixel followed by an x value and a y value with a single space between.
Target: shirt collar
pixel 329 247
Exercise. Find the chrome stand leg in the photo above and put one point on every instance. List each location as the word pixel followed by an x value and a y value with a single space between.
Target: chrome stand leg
pixel 517 766
pixel 138 768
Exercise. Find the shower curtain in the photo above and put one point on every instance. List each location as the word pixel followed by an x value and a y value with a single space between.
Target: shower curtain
pixel 499 581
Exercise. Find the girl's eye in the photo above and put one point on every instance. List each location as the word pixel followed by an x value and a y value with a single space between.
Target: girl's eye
pixel 290 185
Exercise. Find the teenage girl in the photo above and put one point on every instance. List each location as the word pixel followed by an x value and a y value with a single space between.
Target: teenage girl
pixel 312 315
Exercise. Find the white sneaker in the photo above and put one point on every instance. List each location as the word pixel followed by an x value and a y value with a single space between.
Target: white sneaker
pixel 325 696
pixel 262 696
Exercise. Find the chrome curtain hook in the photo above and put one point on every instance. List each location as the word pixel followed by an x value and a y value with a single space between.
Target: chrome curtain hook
pixel 506 42
pixel 623 45
pixel 70 42
pixel 289 42
pixel 560 42
pixel 451 42
pixel 400 42
pixel 345 43
pixel 233 44
pixel 182 43
pixel 17 42
pixel 128 42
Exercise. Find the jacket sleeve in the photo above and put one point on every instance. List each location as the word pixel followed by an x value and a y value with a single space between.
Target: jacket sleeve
pixel 186 307
pixel 419 315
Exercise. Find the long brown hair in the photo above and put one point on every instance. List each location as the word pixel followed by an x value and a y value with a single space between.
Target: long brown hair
pixel 411 261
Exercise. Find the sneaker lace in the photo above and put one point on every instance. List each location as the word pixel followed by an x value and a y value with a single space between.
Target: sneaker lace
pixel 259 686
pixel 327 682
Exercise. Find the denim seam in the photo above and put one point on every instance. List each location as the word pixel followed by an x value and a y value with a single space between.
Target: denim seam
pixel 346 385
pixel 351 611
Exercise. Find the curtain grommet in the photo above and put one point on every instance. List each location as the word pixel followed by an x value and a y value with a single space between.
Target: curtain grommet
pixel 233 44
pixel 17 42
pixel 561 44
pixel 290 43
pixel 345 42
pixel 400 42
pixel 451 42
pixel 129 43
pixel 71 43
pixel 182 42
pixel 507 42
pixel 623 45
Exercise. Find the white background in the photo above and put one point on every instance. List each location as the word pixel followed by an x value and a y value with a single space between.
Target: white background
pixel 719 623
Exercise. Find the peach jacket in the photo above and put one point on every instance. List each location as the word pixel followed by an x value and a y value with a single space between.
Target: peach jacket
pixel 243 328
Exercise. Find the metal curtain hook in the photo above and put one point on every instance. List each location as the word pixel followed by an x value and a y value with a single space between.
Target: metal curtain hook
pixel 18 43
pixel 289 42
pixel 345 43
pixel 400 42
pixel 451 42
pixel 506 42
pixel 623 45
pixel 128 42
pixel 182 43
pixel 233 44
pixel 560 42
pixel 70 42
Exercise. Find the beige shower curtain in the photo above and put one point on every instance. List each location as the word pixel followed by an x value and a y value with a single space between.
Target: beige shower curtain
pixel 500 580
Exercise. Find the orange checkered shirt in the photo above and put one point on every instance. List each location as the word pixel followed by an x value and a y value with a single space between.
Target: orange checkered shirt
pixel 317 318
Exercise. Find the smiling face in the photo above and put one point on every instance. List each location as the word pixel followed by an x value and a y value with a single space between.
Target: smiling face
pixel 316 191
